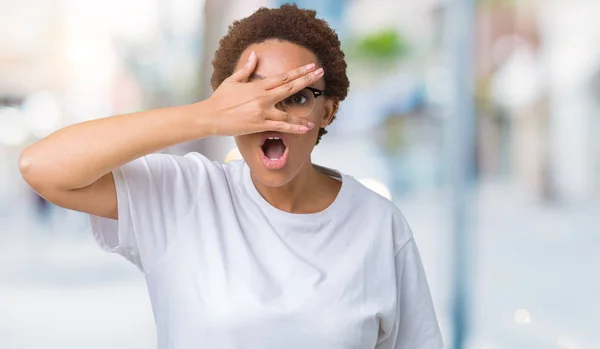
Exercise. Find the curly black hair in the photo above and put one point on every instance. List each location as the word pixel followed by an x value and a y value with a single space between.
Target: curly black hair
pixel 286 23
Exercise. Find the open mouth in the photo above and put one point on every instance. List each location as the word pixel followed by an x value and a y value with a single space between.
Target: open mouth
pixel 274 152
pixel 273 148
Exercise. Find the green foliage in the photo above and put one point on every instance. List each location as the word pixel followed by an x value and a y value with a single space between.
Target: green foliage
pixel 384 45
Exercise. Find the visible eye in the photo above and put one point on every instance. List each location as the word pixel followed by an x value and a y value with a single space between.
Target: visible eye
pixel 297 99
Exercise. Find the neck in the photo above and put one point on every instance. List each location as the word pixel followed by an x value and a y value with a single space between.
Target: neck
pixel 310 191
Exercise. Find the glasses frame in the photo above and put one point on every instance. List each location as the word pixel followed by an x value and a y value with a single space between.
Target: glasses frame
pixel 316 92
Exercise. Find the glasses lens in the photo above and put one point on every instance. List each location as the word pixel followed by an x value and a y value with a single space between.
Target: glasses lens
pixel 299 104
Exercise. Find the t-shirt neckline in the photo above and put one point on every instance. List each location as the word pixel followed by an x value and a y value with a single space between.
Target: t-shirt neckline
pixel 306 217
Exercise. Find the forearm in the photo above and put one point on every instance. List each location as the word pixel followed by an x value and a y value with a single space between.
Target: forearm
pixel 78 155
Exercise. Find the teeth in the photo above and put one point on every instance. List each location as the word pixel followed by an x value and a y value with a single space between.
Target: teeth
pixel 273 137
pixel 274 159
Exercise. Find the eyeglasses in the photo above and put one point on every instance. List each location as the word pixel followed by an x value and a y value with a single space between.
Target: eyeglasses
pixel 301 103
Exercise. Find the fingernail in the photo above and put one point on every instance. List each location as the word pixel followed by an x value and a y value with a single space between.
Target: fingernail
pixel 318 72
pixel 309 66
pixel 252 54
pixel 311 125
pixel 303 129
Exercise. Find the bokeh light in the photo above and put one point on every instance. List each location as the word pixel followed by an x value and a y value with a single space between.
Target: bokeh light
pixel 234 154
pixel 42 113
pixel 522 317
pixel 13 131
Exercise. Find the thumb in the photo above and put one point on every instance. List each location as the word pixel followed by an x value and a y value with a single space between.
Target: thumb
pixel 242 74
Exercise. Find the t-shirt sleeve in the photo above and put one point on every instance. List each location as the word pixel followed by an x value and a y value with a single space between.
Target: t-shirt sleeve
pixel 155 194
pixel 416 325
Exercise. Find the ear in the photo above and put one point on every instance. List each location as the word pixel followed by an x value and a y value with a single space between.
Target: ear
pixel 329 109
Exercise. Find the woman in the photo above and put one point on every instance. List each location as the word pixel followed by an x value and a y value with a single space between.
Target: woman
pixel 267 252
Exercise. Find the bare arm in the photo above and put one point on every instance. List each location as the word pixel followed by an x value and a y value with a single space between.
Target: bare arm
pixel 72 167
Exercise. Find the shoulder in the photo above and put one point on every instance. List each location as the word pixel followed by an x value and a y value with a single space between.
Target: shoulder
pixel 216 175
pixel 227 168
pixel 375 207
pixel 192 170
pixel 206 168
pixel 198 160
pixel 368 196
pixel 171 163
pixel 369 201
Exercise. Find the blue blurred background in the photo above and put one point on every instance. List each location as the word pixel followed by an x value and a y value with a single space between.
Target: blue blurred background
pixel 479 119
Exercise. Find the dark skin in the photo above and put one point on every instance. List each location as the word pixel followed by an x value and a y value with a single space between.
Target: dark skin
pixel 298 187
pixel 92 149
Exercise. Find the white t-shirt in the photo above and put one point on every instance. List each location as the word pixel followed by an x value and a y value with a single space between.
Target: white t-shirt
pixel 227 270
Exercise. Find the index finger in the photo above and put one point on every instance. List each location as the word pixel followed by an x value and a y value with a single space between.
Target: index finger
pixel 278 80
pixel 282 92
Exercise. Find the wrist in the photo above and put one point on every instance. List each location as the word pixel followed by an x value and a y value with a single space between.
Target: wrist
pixel 201 119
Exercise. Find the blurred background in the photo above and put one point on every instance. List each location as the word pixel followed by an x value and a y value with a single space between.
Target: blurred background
pixel 479 119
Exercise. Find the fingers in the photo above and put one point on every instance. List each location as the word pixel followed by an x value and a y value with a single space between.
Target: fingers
pixel 284 122
pixel 278 80
pixel 282 92
pixel 281 126
pixel 242 74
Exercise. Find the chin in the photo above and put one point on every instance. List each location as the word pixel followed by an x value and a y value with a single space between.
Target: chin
pixel 271 178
